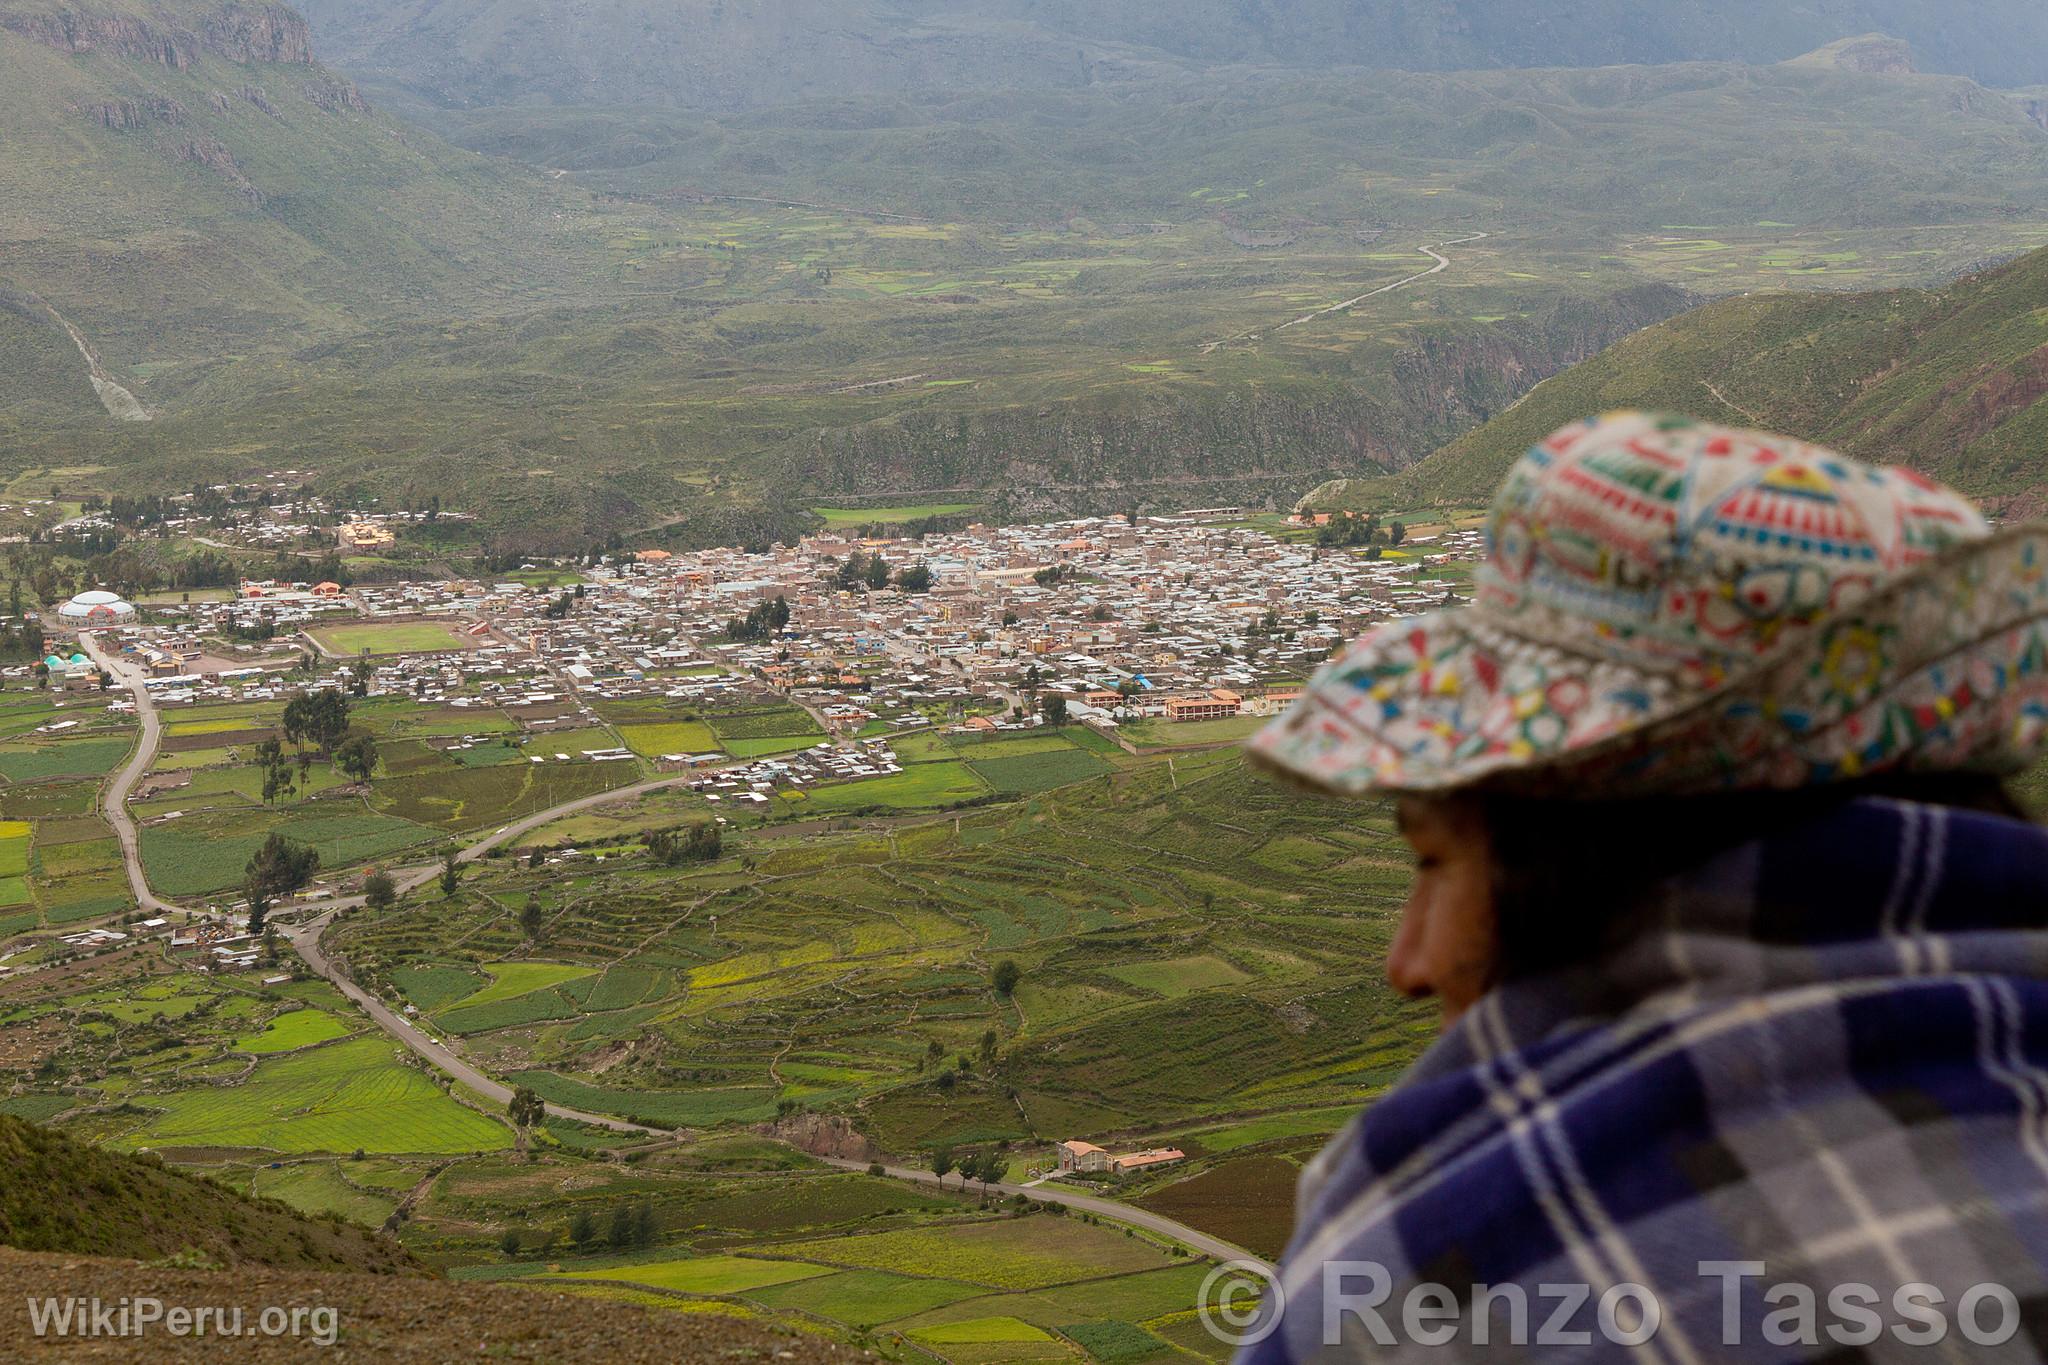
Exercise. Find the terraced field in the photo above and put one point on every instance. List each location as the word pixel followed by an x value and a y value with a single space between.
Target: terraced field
pixel 1195 947
pixel 58 862
pixel 336 1098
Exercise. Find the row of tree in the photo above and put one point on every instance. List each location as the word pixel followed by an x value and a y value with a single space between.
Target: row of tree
pixel 873 573
pixel 987 1166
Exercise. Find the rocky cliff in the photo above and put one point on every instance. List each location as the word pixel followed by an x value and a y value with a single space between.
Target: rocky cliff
pixel 257 32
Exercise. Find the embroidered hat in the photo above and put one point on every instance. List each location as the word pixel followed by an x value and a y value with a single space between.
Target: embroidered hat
pixel 1669 607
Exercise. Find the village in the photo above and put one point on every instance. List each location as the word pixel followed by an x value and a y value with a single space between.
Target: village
pixel 1117 621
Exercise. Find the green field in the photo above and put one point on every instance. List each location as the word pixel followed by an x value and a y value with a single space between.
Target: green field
pixel 1028 1254
pixel 980 1331
pixel 512 979
pixel 390 637
pixel 710 1274
pixel 300 1028
pixel 331 1099
pixel 655 738
pixel 920 786
pixel 24 762
pixel 864 516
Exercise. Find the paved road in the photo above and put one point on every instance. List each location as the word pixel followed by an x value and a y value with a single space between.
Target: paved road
pixel 115 799
pixel 1051 1193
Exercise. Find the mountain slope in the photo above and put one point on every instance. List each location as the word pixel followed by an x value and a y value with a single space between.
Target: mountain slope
pixel 64 1196
pixel 182 182
pixel 1950 381
pixel 742 54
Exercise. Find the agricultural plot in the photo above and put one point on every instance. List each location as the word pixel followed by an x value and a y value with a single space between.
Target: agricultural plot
pixel 462 799
pixel 762 732
pixel 335 1098
pixel 26 761
pixel 1033 772
pixel 709 1274
pixel 1196 948
pixel 840 517
pixel 299 1028
pixel 512 979
pixel 210 853
pixel 431 987
pixel 655 738
pixel 1010 1253
pixel 920 786
pixel 390 637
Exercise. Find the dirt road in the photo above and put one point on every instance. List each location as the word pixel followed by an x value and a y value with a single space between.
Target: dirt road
pixel 114 801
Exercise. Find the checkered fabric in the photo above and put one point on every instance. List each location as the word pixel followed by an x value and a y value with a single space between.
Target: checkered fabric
pixel 1830 1056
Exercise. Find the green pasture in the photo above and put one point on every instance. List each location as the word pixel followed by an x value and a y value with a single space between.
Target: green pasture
pixel 330 1099
pixel 708 1274
pixel 837 517
pixel 300 1028
pixel 511 979
pixel 653 739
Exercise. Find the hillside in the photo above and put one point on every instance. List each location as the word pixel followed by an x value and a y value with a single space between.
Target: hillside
pixel 59 1195
pixel 1175 288
pixel 183 182
pixel 1950 381
pixel 744 54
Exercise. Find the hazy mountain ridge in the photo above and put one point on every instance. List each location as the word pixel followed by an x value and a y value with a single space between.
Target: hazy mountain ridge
pixel 724 55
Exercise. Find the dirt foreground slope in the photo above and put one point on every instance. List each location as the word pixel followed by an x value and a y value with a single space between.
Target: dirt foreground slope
pixel 378 1318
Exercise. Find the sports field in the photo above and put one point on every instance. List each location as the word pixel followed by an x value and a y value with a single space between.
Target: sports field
pixel 390 637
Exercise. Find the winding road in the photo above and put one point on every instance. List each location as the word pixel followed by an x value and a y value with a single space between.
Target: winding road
pixel 1442 263
pixel 115 800
pixel 304 938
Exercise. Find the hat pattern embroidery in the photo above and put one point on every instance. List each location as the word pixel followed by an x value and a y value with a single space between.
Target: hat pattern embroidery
pixel 1673 606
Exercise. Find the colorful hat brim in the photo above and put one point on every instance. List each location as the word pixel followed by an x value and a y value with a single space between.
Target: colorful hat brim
pixel 1943 668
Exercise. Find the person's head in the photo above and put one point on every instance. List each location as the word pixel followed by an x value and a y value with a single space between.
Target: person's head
pixel 1509 887
pixel 1683 636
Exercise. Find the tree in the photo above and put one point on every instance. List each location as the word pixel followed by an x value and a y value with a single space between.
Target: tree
pixel 357 756
pixel 536 856
pixel 319 717
pixel 877 572
pixel 451 873
pixel 526 1108
pixel 279 868
pixel 531 919
pixel 942 1163
pixel 1055 709
pixel 916 578
pixel 620 1233
pixel 582 1228
pixel 379 891
pixel 988 1050
pixel 277 770
pixel 1396 533
pixel 509 1243
pixel 1005 977
pixel 643 1225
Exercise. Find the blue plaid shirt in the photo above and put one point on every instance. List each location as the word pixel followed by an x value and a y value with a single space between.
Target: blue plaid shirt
pixel 1830 1057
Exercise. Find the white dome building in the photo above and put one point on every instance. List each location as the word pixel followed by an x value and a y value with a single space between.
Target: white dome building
pixel 96 608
